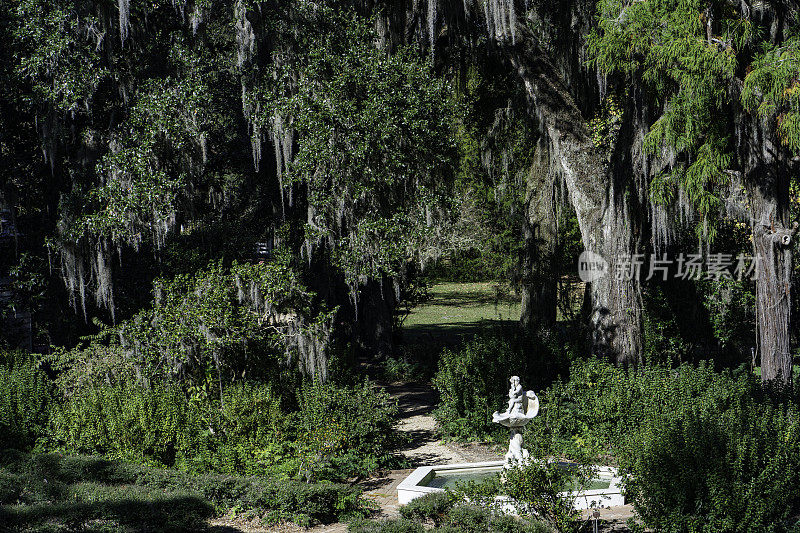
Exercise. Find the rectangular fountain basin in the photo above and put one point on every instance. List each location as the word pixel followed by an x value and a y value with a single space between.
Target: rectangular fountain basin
pixel 419 482
pixel 604 491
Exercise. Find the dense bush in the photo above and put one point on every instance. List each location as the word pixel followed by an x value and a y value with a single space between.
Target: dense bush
pixel 536 488
pixel 478 519
pixel 451 516
pixel 251 427
pixel 714 467
pixel 339 431
pixel 25 400
pixel 401 369
pixel 73 490
pixel 473 381
pixel 155 425
pixel 386 526
pixel 346 430
pixel 701 450
pixel 159 426
pixel 433 507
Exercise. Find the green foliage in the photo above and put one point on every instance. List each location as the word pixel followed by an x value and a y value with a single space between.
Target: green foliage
pixel 536 488
pixel 155 425
pixel 374 148
pixel 663 338
pixel 433 507
pixel 731 304
pixel 450 513
pixel 10 488
pixel 477 519
pixel 495 143
pixel 346 430
pixel 604 126
pixel 26 398
pixel 680 51
pixel 700 450
pixel 723 467
pixel 400 369
pixel 771 87
pixel 73 490
pixel 57 55
pixel 160 426
pixel 157 152
pixel 472 380
pixel 251 426
pixel 386 526
pixel 205 329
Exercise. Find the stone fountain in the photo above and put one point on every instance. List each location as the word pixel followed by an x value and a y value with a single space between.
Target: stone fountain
pixel 522 407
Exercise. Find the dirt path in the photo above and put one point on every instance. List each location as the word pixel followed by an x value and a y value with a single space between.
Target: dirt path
pixel 417 424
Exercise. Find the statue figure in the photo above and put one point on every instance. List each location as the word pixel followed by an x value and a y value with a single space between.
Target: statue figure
pixel 515 395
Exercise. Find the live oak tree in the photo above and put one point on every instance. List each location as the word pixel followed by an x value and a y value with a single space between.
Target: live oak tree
pixel 174 133
pixel 707 66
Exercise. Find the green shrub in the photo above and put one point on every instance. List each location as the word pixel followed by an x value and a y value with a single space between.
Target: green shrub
pixel 251 428
pixel 431 507
pixel 10 487
pixel 711 468
pixel 400 369
pixel 51 483
pixel 127 508
pixel 473 381
pixel 536 489
pixel 161 426
pixel 386 526
pixel 479 519
pixel 458 518
pixel 156 425
pixel 347 430
pixel 25 400
pixel 701 450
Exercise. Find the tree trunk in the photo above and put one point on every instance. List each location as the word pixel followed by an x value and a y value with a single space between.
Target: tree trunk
pixel 773 299
pixel 765 166
pixel 539 278
pixel 373 328
pixel 767 180
pixel 598 200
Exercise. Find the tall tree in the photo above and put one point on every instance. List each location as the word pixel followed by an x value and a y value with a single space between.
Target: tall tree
pixel 694 59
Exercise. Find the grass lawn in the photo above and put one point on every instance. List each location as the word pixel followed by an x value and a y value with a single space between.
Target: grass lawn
pixel 459 304
pixel 456 312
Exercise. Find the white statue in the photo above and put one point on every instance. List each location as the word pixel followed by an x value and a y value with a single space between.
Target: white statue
pixel 522 408
pixel 515 395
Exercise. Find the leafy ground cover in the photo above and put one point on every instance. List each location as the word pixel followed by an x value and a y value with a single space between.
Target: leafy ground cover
pixel 53 492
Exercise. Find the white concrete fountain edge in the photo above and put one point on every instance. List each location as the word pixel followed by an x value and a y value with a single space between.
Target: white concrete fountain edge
pixel 411 487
